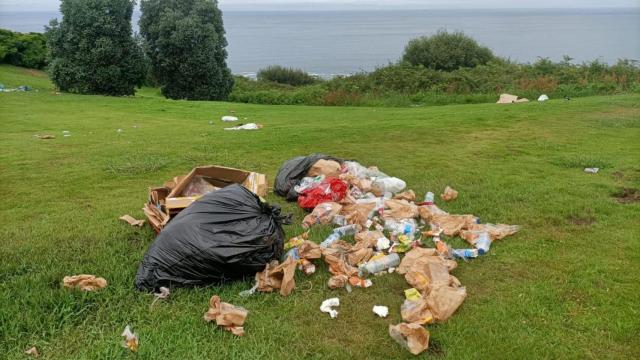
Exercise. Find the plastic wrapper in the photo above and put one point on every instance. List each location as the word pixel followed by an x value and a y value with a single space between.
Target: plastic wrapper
pixel 198 186
pixel 227 316
pixel 412 337
pixel 322 214
pixel 329 190
pixel 227 234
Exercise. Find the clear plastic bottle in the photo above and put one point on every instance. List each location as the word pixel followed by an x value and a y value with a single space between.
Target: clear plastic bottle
pixel 483 243
pixel 407 226
pixel 428 198
pixel 379 265
pixel 338 233
pixel 465 253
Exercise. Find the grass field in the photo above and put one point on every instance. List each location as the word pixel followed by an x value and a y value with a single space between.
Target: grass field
pixel 566 286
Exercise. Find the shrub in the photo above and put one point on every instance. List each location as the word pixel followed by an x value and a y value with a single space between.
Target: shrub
pixel 26 50
pixel 92 50
pixel 284 75
pixel 185 42
pixel 446 51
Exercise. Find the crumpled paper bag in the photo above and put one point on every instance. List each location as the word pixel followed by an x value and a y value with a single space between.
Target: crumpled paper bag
pixel 276 276
pixel 328 168
pixel 412 337
pixel 444 300
pixel 416 312
pixel 358 213
pixel 309 250
pixel 338 264
pixel 412 256
pixel 427 212
pixel 337 281
pixel 496 231
pixel 449 194
pixel 227 316
pixel 400 209
pixel 452 224
pixel 408 195
pixel 84 282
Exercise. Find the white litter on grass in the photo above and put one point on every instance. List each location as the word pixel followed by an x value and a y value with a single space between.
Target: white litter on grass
pixel 327 305
pixel 543 97
pixel 119 130
pixel 229 118
pixel 381 311
pixel 591 170
pixel 250 126
pixel 130 339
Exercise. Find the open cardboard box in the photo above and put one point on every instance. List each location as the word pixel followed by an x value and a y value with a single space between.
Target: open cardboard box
pixel 167 201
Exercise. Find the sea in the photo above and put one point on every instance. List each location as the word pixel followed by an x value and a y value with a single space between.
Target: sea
pixel 329 43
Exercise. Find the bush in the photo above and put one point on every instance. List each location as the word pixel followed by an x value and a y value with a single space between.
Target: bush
pixel 446 51
pixel 283 75
pixel 26 50
pixel 92 50
pixel 185 42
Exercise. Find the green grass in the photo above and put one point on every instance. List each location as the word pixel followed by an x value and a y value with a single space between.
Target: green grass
pixel 566 286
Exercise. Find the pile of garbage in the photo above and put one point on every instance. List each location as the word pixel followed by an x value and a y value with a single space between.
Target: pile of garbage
pixel 386 222
pixel 214 227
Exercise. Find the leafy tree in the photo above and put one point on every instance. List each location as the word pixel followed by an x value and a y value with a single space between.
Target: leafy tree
pixel 446 51
pixel 185 42
pixel 92 50
pixel 26 50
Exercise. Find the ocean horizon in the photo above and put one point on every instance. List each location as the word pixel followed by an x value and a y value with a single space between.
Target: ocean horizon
pixel 331 42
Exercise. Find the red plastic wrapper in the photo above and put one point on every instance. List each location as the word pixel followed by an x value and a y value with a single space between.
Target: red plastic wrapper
pixel 330 189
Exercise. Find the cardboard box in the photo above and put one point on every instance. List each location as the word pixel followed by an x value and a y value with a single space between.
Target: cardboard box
pixel 167 201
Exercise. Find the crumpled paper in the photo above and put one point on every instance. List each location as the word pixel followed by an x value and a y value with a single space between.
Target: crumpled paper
pixel 496 231
pixel 449 194
pixel 327 305
pixel 337 281
pixel 277 276
pixel 227 316
pixel 328 168
pixel 358 213
pixel 33 351
pixel 381 311
pixel 408 195
pixel 309 250
pixel 400 209
pixel 412 256
pixel 416 312
pixel 412 337
pixel 452 224
pixel 427 212
pixel 84 282
pixel 443 301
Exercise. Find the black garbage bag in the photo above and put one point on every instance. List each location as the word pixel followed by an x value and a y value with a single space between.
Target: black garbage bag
pixel 292 171
pixel 225 235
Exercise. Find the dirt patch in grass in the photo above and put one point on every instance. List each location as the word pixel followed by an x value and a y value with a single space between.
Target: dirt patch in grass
pixel 618 175
pixel 627 195
pixel 587 220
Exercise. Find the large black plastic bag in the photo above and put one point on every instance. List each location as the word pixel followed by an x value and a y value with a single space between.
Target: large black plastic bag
pixel 227 234
pixel 292 171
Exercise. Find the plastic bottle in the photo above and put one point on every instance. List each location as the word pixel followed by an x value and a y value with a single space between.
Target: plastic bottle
pixel 407 226
pixel 428 198
pixel 465 253
pixel 379 265
pixel 340 220
pixel 338 233
pixel 483 243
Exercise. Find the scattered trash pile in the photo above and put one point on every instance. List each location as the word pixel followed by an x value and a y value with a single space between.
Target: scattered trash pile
pixel 21 88
pixel 512 99
pixel 214 227
pixel 385 221
pixel 169 200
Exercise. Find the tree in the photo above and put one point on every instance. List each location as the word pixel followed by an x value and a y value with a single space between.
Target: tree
pixel 185 41
pixel 92 50
pixel 446 51
pixel 26 50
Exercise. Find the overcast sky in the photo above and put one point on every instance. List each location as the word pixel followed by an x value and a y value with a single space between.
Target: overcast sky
pixel 47 5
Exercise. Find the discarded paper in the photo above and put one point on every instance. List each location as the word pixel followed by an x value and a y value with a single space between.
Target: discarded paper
pixel 227 316
pixel 84 282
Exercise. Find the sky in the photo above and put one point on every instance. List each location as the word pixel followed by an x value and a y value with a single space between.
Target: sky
pixel 48 5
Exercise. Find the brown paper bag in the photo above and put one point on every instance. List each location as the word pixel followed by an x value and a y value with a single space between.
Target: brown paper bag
pixel 227 316
pixel 412 337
